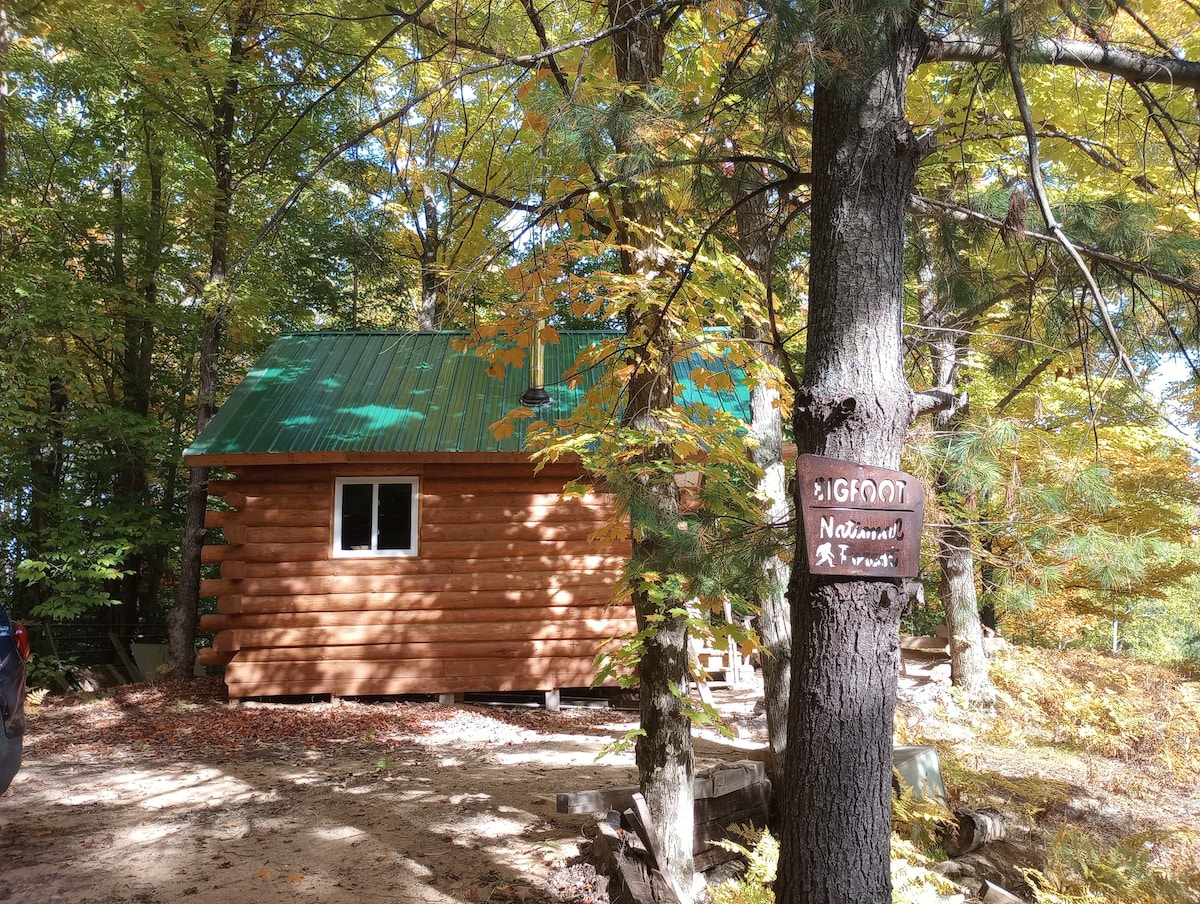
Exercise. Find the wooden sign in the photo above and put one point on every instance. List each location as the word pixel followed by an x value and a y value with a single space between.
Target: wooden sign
pixel 858 520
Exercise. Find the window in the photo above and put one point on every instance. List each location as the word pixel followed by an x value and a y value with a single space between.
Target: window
pixel 375 516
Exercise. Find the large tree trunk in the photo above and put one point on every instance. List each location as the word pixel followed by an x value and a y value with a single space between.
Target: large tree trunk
pixel 853 404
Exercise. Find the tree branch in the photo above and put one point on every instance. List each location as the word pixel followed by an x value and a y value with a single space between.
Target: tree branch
pixel 921 206
pixel 1131 65
pixel 1039 191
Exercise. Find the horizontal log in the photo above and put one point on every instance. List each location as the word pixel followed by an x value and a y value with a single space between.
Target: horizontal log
pixel 290 473
pixel 599 594
pixel 549 671
pixel 518 484
pixel 477 617
pixel 415 582
pixel 466 500
pixel 218 518
pixel 209 656
pixel 259 502
pixel 235 534
pixel 266 516
pixel 501 549
pixel 575 629
pixel 210 554
pixel 534 531
pixel 385 566
pixel 233 570
pixel 221 487
pixel 376 687
pixel 484 649
pixel 437 540
pixel 280 534
pixel 508 514
pixel 479 550
pixel 567 470
pixel 229 603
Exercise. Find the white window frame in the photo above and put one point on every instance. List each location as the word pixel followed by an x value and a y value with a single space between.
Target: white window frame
pixel 415 527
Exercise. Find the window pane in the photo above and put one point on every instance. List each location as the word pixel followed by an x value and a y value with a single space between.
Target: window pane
pixel 356 515
pixel 395 516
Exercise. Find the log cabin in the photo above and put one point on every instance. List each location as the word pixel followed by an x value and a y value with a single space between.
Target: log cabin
pixel 380 539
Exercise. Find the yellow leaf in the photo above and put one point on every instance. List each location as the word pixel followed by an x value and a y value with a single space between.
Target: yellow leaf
pixel 294 877
pixel 263 874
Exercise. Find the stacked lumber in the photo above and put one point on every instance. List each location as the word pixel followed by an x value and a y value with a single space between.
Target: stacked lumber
pixel 509 591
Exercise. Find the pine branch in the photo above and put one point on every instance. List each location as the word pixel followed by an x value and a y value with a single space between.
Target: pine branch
pixel 922 206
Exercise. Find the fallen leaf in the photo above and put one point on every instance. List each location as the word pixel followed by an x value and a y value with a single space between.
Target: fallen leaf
pixel 295 877
pixel 263 874
pixel 225 865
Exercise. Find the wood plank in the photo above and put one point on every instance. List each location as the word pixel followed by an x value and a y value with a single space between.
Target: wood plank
pixel 577 629
pixel 475 617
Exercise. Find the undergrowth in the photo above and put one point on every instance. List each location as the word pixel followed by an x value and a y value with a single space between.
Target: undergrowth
pixel 1074 708
pixel 1116 708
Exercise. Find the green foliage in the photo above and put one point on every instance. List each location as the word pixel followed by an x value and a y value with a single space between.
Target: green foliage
pixel 1082 870
pixel 44 673
pixel 1115 708
pixel 919 820
pixel 754 885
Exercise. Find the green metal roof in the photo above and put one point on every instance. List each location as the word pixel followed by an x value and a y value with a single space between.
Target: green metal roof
pixel 403 392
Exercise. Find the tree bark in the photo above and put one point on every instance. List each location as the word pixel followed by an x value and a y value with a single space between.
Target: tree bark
pixel 853 403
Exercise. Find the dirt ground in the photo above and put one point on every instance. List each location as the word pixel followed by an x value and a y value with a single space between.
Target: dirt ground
pixel 150 794
pixel 168 794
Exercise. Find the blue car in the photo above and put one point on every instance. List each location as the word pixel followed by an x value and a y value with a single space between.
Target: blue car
pixel 14 650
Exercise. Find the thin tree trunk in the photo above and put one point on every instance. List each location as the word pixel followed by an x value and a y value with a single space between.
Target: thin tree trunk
pixel 956 554
pixel 666 763
pixel 968 659
pixel 853 404
pixel 184 617
pixel 766 429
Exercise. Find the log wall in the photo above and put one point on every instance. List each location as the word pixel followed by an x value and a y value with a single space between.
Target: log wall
pixel 507 593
